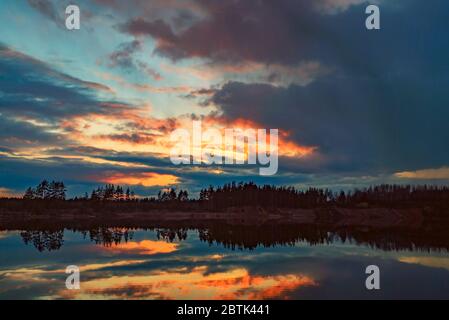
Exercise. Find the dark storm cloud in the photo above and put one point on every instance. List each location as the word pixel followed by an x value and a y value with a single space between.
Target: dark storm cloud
pixel 384 107
pixel 283 32
pixel 16 134
pixel 147 159
pixel 290 31
pixel 356 125
pixel 80 150
pixel 30 88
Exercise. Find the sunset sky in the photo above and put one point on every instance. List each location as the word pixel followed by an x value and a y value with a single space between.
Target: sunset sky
pixel 94 106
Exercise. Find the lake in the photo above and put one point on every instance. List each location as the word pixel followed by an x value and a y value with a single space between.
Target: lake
pixel 220 262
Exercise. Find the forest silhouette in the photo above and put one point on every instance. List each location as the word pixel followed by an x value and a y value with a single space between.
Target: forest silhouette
pixel 234 195
pixel 248 237
pixel 236 215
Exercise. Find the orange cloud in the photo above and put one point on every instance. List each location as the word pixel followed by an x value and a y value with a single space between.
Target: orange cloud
pixel 7 193
pixel 197 283
pixel 146 179
pixel 439 173
pixel 145 247
pixel 286 147
pixel 132 130
pixel 267 287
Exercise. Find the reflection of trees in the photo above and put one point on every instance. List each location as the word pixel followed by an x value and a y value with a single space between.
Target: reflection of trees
pixel 108 236
pixel 429 236
pixel 248 237
pixel 172 234
pixel 44 240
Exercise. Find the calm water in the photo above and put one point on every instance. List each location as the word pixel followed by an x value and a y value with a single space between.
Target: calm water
pixel 232 263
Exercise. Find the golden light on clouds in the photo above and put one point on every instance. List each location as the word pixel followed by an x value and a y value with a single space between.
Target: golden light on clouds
pixel 131 131
pixel 433 262
pixel 197 283
pixel 5 234
pixel 439 173
pixel 38 274
pixel 246 130
pixel 7 193
pixel 175 283
pixel 144 247
pixel 146 179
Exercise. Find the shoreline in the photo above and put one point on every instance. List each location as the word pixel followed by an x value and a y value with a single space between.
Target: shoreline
pixel 343 217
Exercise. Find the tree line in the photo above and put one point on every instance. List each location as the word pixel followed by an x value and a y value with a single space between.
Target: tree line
pixel 111 192
pixel 45 190
pixel 270 196
pixel 56 190
pixel 386 195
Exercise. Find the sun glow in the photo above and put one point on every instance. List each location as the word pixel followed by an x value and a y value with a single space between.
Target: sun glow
pixel 144 247
pixel 198 283
pixel 146 179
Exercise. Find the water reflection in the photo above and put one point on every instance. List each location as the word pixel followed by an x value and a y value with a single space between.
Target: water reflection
pixel 172 234
pixel 44 240
pixel 196 283
pixel 209 260
pixel 144 247
pixel 107 236
pixel 245 237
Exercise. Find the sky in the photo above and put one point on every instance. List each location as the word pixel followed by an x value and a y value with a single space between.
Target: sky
pixel 354 107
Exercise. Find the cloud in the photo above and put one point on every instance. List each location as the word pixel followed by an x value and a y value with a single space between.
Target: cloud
pixel 283 32
pixel 291 33
pixel 32 89
pixel 337 6
pixel 8 193
pixel 20 133
pixel 370 104
pixel 47 9
pixel 83 174
pixel 134 138
pixel 123 55
pixel 425 174
pixel 144 247
pixel 353 126
pixel 123 58
pixel 146 179
pixel 433 262
pixel 383 107
pixel 197 283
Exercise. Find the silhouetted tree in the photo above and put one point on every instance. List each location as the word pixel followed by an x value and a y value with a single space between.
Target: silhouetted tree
pixel 54 190
pixel 29 194
pixel 128 195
